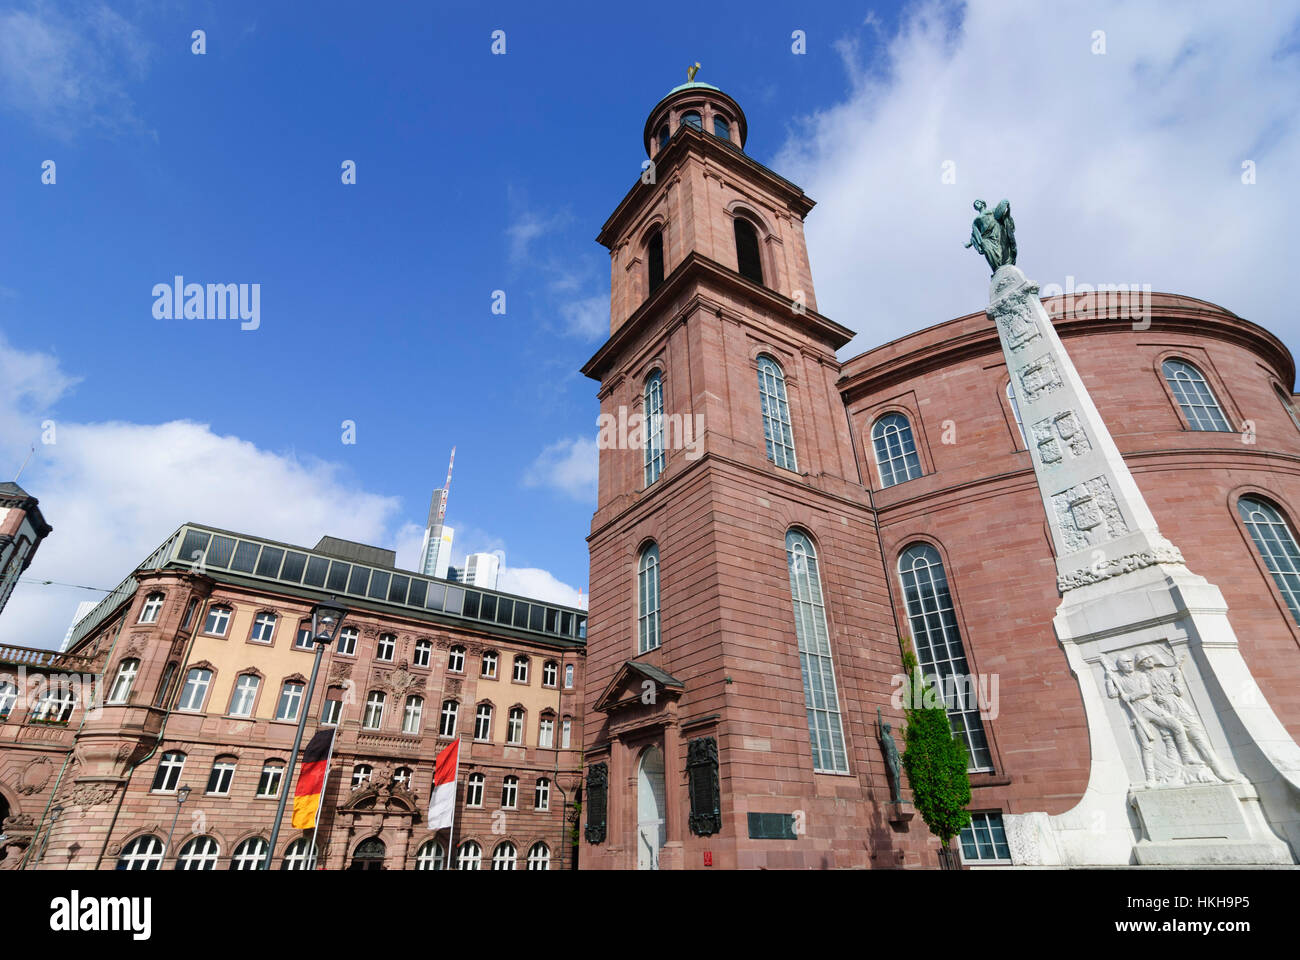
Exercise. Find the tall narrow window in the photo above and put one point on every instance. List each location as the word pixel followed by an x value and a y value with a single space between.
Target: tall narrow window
pixel 654 427
pixel 1287 405
pixel 939 649
pixel 412 715
pixel 290 701
pixel 124 681
pixel 474 790
pixel 748 260
pixel 721 128
pixel 776 414
pixel 483 722
pixel 169 771
pixel 347 643
pixel 196 689
pixel 1276 545
pixel 515 726
pixel 663 136
pixel 152 607
pixel 647 585
pixel 1015 412
pixel 373 718
pixel 820 698
pixel 895 450
pixel 1194 396
pixel 447 725
pixel 654 258
pixel 263 627
pixel 244 695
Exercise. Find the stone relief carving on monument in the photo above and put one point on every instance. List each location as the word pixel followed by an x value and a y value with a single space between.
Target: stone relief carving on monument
pixel 1170 737
pixel 1040 377
pixel 1019 330
pixel 1088 515
pixel 1104 569
pixel 1053 435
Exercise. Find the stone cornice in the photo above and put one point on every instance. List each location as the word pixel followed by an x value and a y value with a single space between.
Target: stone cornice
pixel 696 267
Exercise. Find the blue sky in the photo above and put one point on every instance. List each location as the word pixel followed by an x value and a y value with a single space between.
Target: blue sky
pixel 478 172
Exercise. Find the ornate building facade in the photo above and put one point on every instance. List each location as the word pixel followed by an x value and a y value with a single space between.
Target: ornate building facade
pixel 748 592
pixel 192 674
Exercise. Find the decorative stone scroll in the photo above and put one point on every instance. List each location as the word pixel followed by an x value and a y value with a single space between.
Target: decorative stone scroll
pixel 1104 569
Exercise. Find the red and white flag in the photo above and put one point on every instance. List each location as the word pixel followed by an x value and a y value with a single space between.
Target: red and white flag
pixel 442 805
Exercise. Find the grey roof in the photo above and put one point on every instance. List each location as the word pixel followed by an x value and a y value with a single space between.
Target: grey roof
pixel 357 552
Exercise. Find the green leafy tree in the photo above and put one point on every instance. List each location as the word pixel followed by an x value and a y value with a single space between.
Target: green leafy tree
pixel 934 759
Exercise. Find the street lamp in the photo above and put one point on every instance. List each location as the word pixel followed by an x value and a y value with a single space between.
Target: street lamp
pixel 182 795
pixel 326 618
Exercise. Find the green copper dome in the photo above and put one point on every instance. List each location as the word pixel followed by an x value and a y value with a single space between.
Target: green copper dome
pixel 692 85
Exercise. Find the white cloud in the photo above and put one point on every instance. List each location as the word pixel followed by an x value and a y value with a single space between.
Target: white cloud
pixel 67 72
pixel 113 491
pixel 539 585
pixel 587 317
pixel 1122 167
pixel 569 466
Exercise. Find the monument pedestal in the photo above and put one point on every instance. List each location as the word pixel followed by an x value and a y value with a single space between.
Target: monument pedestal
pixel 1204 823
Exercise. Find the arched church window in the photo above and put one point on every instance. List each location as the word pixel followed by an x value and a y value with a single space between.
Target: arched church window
pixel 721 127
pixel 1194 396
pixel 692 119
pixel 940 655
pixel 825 730
pixel 896 457
pixel 1277 547
pixel 777 433
pixel 647 585
pixel 654 425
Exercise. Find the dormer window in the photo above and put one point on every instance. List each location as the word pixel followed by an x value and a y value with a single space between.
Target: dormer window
pixel 692 119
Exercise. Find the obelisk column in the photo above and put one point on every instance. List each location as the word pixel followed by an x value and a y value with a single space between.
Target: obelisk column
pixel 1128 598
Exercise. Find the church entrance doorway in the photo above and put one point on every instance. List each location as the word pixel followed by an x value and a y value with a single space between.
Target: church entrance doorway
pixel 651 832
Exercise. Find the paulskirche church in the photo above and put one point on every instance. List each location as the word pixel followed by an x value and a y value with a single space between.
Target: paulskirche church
pixel 1081 521
pixel 1084 522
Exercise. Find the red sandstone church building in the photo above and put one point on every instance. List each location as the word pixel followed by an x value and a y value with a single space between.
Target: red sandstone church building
pixel 748 590
pixel 747 596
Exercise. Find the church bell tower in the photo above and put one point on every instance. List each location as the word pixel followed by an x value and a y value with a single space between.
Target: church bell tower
pixel 740 636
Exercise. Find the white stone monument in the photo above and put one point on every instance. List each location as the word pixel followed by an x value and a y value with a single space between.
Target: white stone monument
pixel 1189 763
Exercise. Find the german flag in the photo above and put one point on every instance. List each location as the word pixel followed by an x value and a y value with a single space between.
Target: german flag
pixel 311 779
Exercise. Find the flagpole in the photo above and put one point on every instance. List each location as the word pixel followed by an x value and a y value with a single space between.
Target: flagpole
pixel 329 757
pixel 451 830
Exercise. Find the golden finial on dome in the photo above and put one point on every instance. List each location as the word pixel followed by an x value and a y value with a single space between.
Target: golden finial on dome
pixel 692 71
